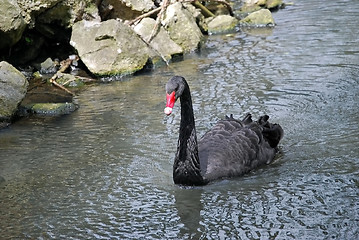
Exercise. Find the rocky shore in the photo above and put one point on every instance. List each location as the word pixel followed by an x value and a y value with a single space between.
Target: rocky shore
pixel 49 49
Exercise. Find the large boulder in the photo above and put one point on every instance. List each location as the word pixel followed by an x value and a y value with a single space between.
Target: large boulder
pixel 182 28
pixel 65 14
pixel 13 87
pixel 161 43
pixel 32 9
pixel 109 48
pixel 12 24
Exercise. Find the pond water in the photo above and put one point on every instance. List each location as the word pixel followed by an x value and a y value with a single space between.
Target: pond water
pixel 105 171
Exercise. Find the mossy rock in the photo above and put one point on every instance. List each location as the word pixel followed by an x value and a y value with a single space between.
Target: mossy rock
pixel 222 24
pixel 261 18
pixel 273 4
pixel 49 109
pixel 69 80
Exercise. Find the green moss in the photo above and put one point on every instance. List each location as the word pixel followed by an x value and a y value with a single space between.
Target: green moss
pixel 52 109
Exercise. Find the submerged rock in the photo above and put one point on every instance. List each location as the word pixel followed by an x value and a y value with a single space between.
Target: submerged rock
pixel 13 87
pixel 109 48
pixel 182 27
pixel 161 43
pixel 261 18
pixel 222 24
pixel 48 109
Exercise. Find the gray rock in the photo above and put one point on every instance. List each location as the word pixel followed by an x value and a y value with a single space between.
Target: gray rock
pixel 32 9
pixel 48 66
pixel 61 12
pixel 161 43
pixel 140 5
pixel 12 24
pixel 261 18
pixel 124 9
pixel 222 24
pixel 13 87
pixel 182 27
pixel 65 14
pixel 109 48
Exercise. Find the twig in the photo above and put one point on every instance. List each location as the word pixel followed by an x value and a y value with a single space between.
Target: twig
pixel 155 29
pixel 84 79
pixel 65 65
pixel 205 10
pixel 53 81
pixel 144 15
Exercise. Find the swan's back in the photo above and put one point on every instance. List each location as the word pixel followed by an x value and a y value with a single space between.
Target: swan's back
pixel 233 147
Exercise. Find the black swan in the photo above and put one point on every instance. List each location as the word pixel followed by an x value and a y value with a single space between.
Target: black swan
pixel 231 148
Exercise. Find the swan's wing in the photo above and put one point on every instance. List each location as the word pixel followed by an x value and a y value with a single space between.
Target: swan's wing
pixel 233 148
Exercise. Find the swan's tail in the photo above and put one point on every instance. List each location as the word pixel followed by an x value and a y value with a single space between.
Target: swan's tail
pixel 273 133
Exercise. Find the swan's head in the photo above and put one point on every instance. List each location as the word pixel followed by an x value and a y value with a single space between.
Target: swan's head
pixel 174 90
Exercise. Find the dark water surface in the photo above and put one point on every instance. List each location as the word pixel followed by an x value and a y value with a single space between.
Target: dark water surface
pixel 105 171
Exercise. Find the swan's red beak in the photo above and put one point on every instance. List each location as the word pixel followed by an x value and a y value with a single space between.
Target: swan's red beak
pixel 171 99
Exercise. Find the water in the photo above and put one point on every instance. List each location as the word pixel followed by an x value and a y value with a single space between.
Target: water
pixel 105 171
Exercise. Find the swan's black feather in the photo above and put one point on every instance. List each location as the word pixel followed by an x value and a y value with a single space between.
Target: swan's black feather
pixel 233 147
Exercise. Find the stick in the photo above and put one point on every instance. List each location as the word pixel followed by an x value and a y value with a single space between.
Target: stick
pixel 205 10
pixel 144 15
pixel 53 81
pixel 164 6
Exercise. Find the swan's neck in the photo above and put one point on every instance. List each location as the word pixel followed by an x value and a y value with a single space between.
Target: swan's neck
pixel 186 168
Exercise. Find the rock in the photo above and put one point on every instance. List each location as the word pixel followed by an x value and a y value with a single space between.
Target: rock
pixel 109 48
pixel 200 19
pixel 255 5
pixel 47 109
pixel 66 13
pixel 251 6
pixel 162 43
pixel 13 86
pixel 32 9
pixel 69 80
pixel 140 5
pixel 261 18
pixel 182 27
pixel 222 24
pixel 124 9
pixel 48 66
pixel 12 24
pixel 274 4
pixel 59 12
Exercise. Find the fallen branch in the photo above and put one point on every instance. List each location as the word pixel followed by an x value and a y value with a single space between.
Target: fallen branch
pixel 53 81
pixel 155 29
pixel 64 66
pixel 205 10
pixel 139 18
pixel 84 79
